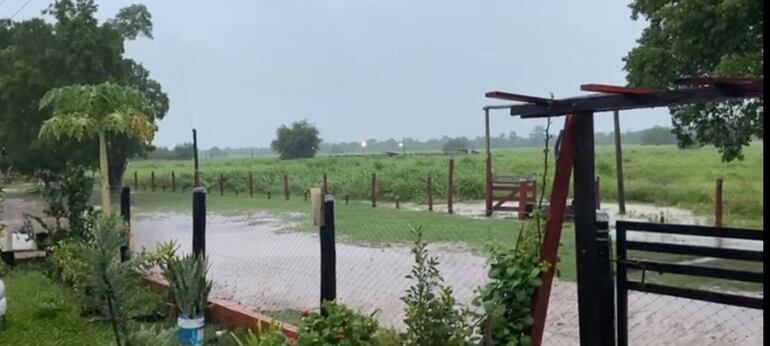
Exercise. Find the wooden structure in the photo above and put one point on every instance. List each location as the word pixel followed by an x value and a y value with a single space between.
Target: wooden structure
pixel 576 151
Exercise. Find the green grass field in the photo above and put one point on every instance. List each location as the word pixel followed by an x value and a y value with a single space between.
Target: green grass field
pixel 663 175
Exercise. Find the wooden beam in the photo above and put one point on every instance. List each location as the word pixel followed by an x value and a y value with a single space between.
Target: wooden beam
pixel 719 80
pixel 615 89
pixel 518 97
pixel 664 98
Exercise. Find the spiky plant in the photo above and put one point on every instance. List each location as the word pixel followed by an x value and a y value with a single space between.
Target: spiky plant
pixel 187 281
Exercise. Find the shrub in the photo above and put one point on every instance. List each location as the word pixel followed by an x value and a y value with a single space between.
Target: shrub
pixel 67 195
pixel 341 326
pixel 507 299
pixel 187 281
pixel 272 336
pixel 71 261
pixel 431 316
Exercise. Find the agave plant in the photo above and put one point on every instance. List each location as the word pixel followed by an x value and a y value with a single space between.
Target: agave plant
pixel 187 281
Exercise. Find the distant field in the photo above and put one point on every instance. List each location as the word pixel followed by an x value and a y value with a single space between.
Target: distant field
pixel 663 175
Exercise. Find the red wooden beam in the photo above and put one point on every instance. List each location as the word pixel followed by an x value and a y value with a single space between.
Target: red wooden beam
pixel 553 228
pixel 615 89
pixel 518 97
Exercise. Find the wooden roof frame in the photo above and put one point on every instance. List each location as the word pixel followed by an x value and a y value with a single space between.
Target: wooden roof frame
pixel 611 98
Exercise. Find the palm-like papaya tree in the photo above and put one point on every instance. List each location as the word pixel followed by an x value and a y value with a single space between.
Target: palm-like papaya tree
pixel 86 111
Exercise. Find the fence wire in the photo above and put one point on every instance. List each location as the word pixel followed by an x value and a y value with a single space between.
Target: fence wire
pixel 665 320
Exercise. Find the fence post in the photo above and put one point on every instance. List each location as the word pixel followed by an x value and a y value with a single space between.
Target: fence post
pixel 347 199
pixel 598 195
pixel 221 184
pixel 286 186
pixel 451 188
pixel 488 180
pixel 125 212
pixel 397 206
pixel 136 181
pixel 718 204
pixel 430 192
pixel 622 290
pixel 326 185
pixel 173 181
pixel 305 195
pixel 523 199
pixel 268 195
pixel 374 190
pixel 328 253
pixel 199 221
pixel 152 181
pixel 606 282
pixel 251 185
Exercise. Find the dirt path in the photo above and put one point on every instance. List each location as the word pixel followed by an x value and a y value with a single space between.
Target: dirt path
pixel 254 262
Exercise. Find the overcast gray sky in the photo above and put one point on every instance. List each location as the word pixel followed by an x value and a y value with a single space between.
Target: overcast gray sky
pixel 360 69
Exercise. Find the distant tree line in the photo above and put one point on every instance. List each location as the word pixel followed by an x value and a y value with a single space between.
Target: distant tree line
pixel 657 135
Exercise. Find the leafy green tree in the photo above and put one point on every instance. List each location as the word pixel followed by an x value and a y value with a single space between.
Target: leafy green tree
pixel 184 151
pixel 703 37
pixel 86 111
pixel 301 140
pixel 69 47
pixel 455 144
pixel 658 135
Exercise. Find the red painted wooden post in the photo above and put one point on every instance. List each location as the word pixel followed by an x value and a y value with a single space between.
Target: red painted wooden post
pixel 152 181
pixel 598 195
pixel 523 188
pixel 221 184
pixel 553 228
pixel 173 181
pixel 430 193
pixel 718 204
pixel 286 186
pixel 374 190
pixel 326 185
pixel 489 185
pixel 251 185
pixel 450 190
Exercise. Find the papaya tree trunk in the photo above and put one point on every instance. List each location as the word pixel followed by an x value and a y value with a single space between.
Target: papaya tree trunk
pixel 104 175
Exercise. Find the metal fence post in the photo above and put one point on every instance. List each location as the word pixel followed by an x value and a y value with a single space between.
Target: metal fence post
pixel 125 212
pixel 328 253
pixel 199 221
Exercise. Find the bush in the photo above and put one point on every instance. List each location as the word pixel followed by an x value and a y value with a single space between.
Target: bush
pixel 341 326
pixel 71 261
pixel 431 316
pixel 272 336
pixel 67 195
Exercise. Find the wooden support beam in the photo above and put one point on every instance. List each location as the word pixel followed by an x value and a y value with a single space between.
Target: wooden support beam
pixel 518 97
pixel 615 89
pixel 663 98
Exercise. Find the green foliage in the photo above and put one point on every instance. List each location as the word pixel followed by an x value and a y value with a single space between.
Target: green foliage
pixel 71 261
pixel 301 140
pixel 695 37
pixel 34 54
pixel 270 336
pixel 658 135
pixel 67 195
pixel 341 326
pixel 152 336
pixel 507 299
pixel 455 144
pixel 431 315
pixel 184 151
pixel 187 281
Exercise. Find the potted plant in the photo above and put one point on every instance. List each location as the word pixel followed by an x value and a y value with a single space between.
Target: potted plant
pixel 190 289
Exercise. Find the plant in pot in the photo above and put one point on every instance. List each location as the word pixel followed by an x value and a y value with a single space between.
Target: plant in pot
pixel 190 289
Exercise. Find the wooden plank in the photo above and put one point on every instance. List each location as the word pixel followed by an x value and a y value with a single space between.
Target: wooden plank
pixel 664 98
pixel 709 296
pixel 615 89
pixel 704 231
pixel 518 97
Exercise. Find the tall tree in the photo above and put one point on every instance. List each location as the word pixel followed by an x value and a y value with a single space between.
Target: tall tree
pixel 300 140
pixel 87 111
pixel 72 47
pixel 703 37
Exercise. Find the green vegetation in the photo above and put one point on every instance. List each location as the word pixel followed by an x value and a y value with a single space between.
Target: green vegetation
pixel 722 38
pixel 42 312
pixel 299 141
pixel 661 175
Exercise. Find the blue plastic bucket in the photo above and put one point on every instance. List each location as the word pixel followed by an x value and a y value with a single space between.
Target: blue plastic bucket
pixel 190 330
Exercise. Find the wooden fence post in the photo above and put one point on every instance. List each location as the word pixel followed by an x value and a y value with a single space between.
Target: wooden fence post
pixel 305 195
pixel 268 195
pixel 451 188
pixel 221 184
pixel 397 205
pixel 152 181
pixel 523 188
pixel 136 181
pixel 251 185
pixel 173 181
pixel 374 190
pixel 430 193
pixel 718 204
pixel 326 185
pixel 286 186
pixel 347 199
